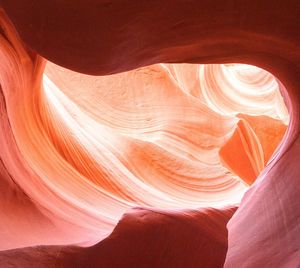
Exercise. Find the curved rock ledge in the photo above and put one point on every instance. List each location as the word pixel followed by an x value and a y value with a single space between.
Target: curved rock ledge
pixel 108 37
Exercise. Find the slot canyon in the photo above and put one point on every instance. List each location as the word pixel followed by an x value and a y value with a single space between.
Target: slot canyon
pixel 149 134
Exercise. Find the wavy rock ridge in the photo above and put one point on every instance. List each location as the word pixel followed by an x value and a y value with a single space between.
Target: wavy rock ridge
pixel 80 150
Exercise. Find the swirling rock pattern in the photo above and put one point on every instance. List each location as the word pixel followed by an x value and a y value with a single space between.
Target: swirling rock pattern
pixel 80 150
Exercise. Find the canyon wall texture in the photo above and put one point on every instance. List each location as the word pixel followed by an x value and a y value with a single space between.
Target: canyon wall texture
pixel 78 151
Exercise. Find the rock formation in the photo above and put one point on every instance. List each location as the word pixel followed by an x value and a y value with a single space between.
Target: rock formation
pixel 132 132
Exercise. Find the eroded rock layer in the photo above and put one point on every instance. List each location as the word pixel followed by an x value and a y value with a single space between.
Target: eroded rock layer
pixel 78 151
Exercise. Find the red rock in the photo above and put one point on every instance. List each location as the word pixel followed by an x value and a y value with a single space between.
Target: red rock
pixel 64 183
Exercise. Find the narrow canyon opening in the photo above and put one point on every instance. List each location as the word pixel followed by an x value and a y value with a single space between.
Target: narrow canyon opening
pixel 168 136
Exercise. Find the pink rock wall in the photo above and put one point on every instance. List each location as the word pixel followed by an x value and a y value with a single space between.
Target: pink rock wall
pixel 80 151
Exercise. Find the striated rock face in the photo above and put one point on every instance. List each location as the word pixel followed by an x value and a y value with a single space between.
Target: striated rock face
pixel 78 151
